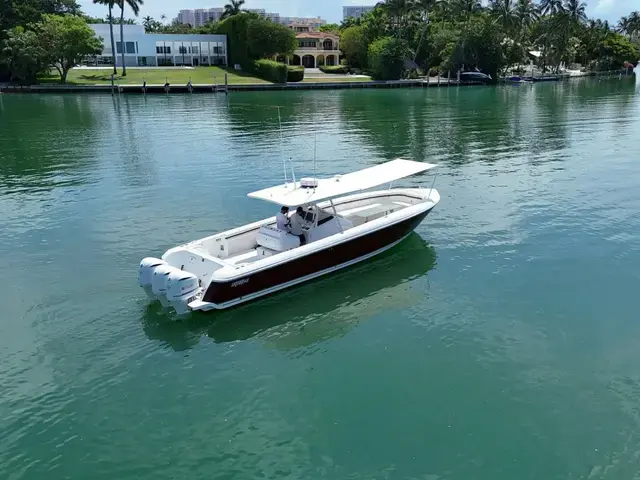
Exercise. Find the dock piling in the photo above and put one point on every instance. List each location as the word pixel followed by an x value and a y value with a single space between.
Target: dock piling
pixel 226 84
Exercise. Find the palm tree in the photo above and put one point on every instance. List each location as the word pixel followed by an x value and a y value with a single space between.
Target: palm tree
pixel 505 13
pixel 147 23
pixel 465 8
pixel 423 7
pixel 551 7
pixel 398 10
pixel 634 24
pixel 232 8
pixel 110 4
pixel 135 7
pixel 163 17
pixel 575 9
pixel 623 26
pixel 527 14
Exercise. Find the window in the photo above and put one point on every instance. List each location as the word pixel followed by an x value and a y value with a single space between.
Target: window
pixel 182 50
pixel 194 50
pixel 307 43
pixel 167 50
pixel 130 47
pixel 159 50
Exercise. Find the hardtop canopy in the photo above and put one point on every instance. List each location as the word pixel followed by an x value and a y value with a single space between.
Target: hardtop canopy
pixel 292 194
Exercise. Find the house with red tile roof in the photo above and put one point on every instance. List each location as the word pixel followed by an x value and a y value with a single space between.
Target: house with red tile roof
pixel 315 49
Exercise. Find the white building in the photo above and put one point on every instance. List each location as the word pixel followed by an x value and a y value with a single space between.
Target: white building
pixel 159 49
pixel 356 11
pixel 201 16
pixel 312 22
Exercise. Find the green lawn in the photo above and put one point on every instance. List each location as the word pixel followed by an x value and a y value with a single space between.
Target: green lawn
pixel 154 76
pixel 336 79
pixel 158 76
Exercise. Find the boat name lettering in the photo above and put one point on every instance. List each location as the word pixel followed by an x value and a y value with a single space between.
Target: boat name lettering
pixel 240 282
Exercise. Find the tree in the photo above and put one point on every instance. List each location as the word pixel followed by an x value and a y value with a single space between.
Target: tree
pixel 398 11
pixel 527 14
pixel 354 45
pixel 110 4
pixel 330 28
pixel 506 15
pixel 386 58
pixel 481 44
pixel 630 25
pixel 24 54
pixel 551 7
pixel 575 9
pixel 422 8
pixel 68 39
pixel 266 39
pixel 135 7
pixel 24 13
pixel 615 51
pixel 232 8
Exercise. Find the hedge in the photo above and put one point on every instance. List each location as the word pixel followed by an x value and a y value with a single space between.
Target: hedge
pixel 334 69
pixel 295 73
pixel 235 28
pixel 271 71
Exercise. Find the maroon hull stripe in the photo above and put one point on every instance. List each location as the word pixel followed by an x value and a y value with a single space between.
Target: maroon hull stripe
pixel 220 293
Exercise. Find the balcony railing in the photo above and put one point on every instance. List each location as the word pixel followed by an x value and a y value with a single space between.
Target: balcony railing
pixel 319 49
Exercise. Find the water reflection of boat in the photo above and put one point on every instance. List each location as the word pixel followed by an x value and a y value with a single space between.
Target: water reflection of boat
pixel 357 293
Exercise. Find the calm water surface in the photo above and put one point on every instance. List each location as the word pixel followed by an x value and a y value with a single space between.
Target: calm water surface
pixel 498 342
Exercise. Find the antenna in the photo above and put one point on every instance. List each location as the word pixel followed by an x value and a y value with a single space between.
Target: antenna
pixel 315 152
pixel 284 160
pixel 293 174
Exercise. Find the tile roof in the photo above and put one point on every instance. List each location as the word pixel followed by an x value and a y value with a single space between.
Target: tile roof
pixel 318 35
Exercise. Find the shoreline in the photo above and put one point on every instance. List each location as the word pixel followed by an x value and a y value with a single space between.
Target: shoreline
pixel 155 89
pixel 222 89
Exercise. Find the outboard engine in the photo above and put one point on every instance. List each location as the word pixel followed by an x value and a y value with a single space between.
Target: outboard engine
pixel 159 283
pixel 145 274
pixel 182 288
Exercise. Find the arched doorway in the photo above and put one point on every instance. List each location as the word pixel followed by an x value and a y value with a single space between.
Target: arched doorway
pixel 327 44
pixel 296 60
pixel 308 61
pixel 320 60
pixel 331 60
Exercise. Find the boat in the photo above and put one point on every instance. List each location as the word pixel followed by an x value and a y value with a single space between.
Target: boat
pixel 475 77
pixel 515 79
pixel 345 221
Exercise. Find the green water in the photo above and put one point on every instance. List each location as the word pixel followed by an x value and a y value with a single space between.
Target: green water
pixel 499 342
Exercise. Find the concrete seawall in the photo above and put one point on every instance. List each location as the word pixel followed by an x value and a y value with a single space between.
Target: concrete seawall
pixel 200 88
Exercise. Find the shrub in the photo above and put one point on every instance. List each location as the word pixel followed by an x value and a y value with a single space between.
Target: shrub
pixel 295 73
pixel 386 58
pixel 334 69
pixel 271 71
